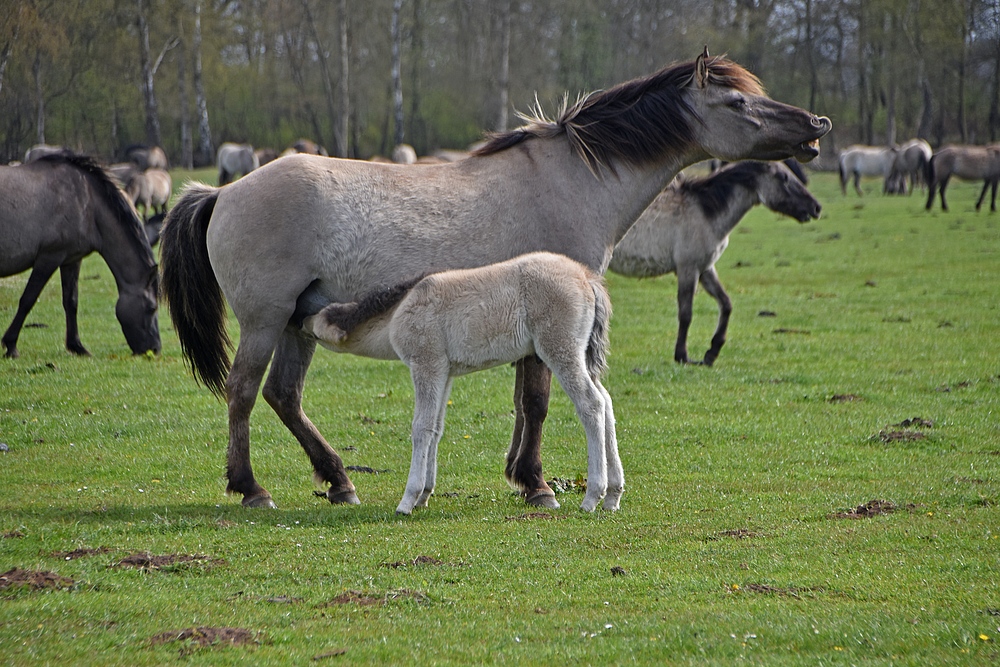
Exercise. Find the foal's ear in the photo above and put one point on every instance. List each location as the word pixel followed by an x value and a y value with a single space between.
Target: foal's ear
pixel 701 69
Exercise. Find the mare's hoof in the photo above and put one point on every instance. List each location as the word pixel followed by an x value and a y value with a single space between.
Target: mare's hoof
pixel 260 501
pixel 542 498
pixel 348 497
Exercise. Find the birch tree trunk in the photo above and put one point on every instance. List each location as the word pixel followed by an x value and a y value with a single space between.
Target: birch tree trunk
pixel 397 78
pixel 503 78
pixel 341 127
pixel 146 64
pixel 205 149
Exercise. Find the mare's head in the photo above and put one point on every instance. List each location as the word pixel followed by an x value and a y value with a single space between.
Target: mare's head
pixel 779 189
pixel 136 312
pixel 709 107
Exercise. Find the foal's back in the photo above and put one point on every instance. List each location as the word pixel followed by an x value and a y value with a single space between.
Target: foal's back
pixel 484 317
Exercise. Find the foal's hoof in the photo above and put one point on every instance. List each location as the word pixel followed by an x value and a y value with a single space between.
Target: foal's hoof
pixel 260 501
pixel 348 497
pixel 542 498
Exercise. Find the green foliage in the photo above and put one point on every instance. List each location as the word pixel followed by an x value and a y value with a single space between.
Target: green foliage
pixel 730 545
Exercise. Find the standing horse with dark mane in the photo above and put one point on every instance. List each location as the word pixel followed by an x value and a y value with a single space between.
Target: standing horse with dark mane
pixel 341 228
pixel 54 212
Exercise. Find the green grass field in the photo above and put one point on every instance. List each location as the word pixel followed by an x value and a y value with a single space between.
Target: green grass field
pixel 738 541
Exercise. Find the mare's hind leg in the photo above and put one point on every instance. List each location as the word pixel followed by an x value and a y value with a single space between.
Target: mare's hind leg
pixel 982 195
pixel 941 187
pixel 252 356
pixel 40 274
pixel 69 275
pixel 524 459
pixel 283 392
pixel 710 281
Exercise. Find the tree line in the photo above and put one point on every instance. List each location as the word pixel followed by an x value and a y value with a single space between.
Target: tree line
pixel 359 76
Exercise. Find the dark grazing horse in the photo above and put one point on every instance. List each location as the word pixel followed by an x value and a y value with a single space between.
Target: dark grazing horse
pixel 572 185
pixel 54 212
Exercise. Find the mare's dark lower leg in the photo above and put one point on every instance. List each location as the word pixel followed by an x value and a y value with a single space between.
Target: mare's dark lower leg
pixel 982 195
pixel 710 281
pixel 244 379
pixel 283 392
pixel 686 282
pixel 941 187
pixel 531 406
pixel 69 275
pixel 40 275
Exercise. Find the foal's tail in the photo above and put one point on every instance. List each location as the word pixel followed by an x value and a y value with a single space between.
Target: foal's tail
pixel 188 285
pixel 599 345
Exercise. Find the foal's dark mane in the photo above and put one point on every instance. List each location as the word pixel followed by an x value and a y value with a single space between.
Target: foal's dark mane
pixel 712 192
pixel 112 195
pixel 347 316
pixel 636 122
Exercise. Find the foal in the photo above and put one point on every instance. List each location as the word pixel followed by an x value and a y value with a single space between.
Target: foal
pixel 456 322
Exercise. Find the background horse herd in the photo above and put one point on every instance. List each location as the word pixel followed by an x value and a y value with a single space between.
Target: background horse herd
pixel 293 238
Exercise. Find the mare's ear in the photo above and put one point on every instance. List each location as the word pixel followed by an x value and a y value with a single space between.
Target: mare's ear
pixel 701 69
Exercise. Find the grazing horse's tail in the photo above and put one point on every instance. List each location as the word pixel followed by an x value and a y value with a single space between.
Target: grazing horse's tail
pixel 597 348
pixel 188 284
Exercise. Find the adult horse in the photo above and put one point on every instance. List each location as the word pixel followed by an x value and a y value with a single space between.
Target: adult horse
pixel 857 161
pixel 686 229
pixel 910 164
pixel 233 159
pixel 146 157
pixel 341 228
pixel 969 163
pixel 150 189
pixel 54 212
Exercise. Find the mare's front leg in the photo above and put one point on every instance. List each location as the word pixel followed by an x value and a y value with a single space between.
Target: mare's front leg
pixel 857 184
pixel 283 392
pixel 687 279
pixel 982 195
pixel 430 396
pixel 40 274
pixel 69 275
pixel 710 281
pixel 524 459
pixel 941 188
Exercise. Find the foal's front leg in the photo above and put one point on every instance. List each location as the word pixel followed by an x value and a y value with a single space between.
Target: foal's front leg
pixel 430 390
pixel 524 459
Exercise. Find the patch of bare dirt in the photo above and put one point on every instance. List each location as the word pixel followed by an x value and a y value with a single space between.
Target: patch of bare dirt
pixel 903 435
pixel 790 591
pixel 34 579
pixel 78 553
pixel 918 422
pixel 563 485
pixel 13 535
pixel 532 516
pixel 330 654
pixel 783 330
pixel 147 561
pixel 362 599
pixel 203 636
pixel 871 508
pixel 618 571
pixel 367 469
pixel 844 398
pixel 739 533
pixel 420 560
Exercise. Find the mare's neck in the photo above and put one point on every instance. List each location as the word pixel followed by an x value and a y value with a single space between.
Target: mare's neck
pixel 129 260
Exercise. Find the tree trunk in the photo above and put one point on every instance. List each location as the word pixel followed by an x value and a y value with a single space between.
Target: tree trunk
pixel 187 145
pixel 205 150
pixel 503 79
pixel 36 70
pixel 341 131
pixel 323 68
pixel 397 79
pixel 146 64
pixel 417 133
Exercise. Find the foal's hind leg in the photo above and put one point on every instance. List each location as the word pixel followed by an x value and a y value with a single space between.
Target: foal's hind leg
pixel 524 459
pixel 430 477
pixel 283 392
pixel 687 280
pixel 430 396
pixel 69 275
pixel 616 473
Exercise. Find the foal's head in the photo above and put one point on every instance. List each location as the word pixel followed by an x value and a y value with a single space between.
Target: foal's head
pixel 780 190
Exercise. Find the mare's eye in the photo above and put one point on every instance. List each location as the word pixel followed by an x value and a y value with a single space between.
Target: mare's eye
pixel 738 103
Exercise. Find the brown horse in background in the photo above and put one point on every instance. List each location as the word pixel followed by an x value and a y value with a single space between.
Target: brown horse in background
pixel 969 163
